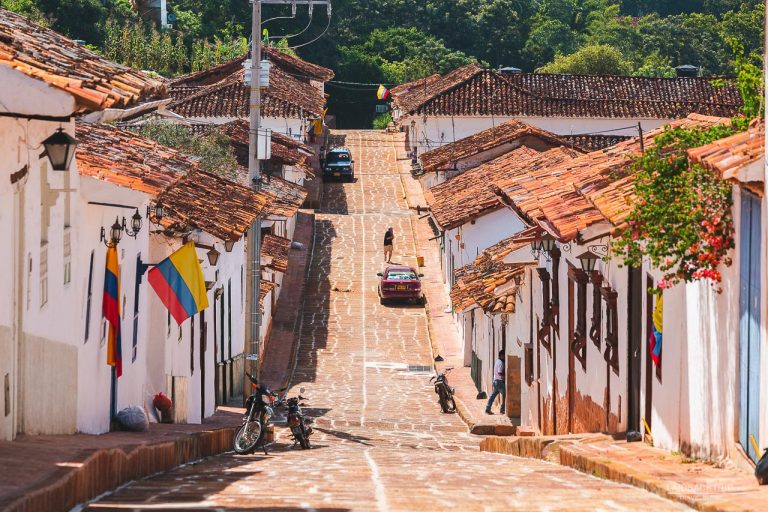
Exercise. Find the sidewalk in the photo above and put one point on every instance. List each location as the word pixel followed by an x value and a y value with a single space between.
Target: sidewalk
pixel 697 484
pixel 58 472
pixel 280 346
pixel 443 332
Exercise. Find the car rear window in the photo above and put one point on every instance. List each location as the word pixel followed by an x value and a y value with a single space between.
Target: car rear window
pixel 338 157
pixel 401 275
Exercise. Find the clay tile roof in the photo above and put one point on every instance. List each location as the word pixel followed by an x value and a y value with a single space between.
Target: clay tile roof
pixel 444 157
pixel 216 205
pixel 128 160
pixel 469 194
pixel 474 192
pixel 603 179
pixel 285 97
pixel 94 81
pixel 471 90
pixel 490 287
pixel 285 150
pixel 286 196
pixel 408 86
pixel 275 249
pixel 610 184
pixel 731 154
pixel 414 97
pixel 297 67
pixel 594 142
pixel 497 252
pixel 264 288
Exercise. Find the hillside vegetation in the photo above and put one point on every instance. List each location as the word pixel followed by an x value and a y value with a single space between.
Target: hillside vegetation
pixel 391 41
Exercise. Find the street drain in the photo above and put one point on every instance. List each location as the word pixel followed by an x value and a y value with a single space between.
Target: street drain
pixel 418 368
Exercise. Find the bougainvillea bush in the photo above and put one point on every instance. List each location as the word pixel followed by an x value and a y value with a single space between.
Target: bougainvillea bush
pixel 681 220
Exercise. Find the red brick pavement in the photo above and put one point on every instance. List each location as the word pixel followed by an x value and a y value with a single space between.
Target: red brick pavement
pixel 381 442
pixel 280 346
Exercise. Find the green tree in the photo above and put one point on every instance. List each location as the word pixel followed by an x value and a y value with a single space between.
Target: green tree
pixel 590 60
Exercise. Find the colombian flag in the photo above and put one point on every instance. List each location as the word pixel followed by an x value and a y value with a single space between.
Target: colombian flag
pixel 656 327
pixel 382 93
pixel 110 310
pixel 178 281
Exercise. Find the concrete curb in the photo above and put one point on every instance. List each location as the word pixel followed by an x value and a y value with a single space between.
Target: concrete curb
pixel 559 449
pixel 103 470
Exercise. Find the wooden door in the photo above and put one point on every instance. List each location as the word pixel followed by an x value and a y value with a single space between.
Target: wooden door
pixel 634 349
pixel 649 304
pixel 571 356
pixel 749 323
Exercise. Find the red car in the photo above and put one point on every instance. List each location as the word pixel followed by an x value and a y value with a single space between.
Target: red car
pixel 400 283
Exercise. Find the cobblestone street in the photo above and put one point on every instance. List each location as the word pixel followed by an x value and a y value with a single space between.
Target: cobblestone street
pixel 380 442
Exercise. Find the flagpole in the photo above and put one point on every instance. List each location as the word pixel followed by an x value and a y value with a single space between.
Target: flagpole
pixel 113 396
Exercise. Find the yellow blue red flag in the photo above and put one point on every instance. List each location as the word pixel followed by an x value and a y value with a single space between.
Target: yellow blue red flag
pixel 178 281
pixel 657 329
pixel 110 310
pixel 382 93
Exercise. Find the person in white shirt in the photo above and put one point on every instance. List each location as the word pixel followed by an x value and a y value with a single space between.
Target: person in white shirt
pixel 498 384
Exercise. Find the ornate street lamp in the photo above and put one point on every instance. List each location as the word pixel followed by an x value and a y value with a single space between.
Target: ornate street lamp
pixel 547 243
pixel 229 245
pixel 115 234
pixel 135 225
pixel 60 148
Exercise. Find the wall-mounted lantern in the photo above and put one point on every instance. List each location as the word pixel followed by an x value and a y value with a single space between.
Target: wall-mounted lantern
pixel 588 260
pixel 229 245
pixel 115 234
pixel 60 148
pixel 135 225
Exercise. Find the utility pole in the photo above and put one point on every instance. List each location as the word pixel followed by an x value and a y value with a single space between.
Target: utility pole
pixel 254 174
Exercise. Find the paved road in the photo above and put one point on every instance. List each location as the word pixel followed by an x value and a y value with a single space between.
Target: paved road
pixel 381 442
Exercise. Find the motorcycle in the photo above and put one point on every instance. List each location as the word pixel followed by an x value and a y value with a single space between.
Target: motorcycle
pixel 444 391
pixel 297 423
pixel 259 408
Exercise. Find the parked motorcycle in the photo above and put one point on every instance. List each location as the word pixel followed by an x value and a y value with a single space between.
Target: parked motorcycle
pixel 444 391
pixel 259 408
pixel 296 421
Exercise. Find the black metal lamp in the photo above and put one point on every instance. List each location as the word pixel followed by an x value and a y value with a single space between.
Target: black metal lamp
pixel 536 248
pixel 60 148
pixel 588 260
pixel 135 225
pixel 547 243
pixel 229 245
pixel 115 234
pixel 213 256
pixel 158 210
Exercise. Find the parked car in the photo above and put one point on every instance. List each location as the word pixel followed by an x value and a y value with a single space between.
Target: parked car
pixel 339 165
pixel 400 283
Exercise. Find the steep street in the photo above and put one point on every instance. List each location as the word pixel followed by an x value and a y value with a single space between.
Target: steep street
pixel 381 441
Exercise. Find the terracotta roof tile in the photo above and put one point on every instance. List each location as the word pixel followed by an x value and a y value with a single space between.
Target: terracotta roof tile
pixel 731 154
pixel 593 142
pixel 444 157
pixel 497 252
pixel 296 67
pixel 94 81
pixel 474 192
pixel 491 287
pixel 603 179
pixel 409 86
pixel 285 97
pixel 128 160
pixel 285 150
pixel 216 205
pixel 264 288
pixel 275 249
pixel 469 194
pixel 471 90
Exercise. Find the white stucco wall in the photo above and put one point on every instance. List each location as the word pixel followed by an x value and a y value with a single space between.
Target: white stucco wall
pixel 437 130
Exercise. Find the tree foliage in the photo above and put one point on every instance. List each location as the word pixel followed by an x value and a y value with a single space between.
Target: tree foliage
pixel 598 59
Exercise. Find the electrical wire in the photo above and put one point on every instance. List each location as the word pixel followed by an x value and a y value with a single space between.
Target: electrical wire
pixel 318 37
pixel 306 27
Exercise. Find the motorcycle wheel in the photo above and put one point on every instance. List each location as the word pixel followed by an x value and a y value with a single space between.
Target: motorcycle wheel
pixel 298 434
pixel 247 437
pixel 447 403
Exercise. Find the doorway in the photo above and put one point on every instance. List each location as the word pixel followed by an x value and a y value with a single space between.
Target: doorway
pixel 749 323
pixel 571 357
pixel 634 348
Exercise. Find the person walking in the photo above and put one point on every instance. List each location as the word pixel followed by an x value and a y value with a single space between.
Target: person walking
pixel 389 240
pixel 498 385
